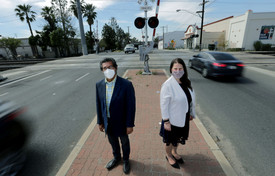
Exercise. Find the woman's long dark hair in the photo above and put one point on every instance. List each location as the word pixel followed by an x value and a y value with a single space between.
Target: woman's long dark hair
pixel 184 79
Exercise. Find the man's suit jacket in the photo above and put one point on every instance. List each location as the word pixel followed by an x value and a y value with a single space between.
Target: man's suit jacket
pixel 122 106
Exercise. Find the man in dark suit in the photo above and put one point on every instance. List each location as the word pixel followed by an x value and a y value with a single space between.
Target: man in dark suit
pixel 116 107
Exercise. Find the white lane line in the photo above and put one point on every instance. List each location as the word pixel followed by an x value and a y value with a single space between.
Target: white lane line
pixel 82 77
pixel 4 94
pixel 46 78
pixel 13 73
pixel 263 71
pixel 25 78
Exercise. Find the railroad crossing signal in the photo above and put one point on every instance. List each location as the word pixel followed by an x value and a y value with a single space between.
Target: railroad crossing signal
pixel 139 22
pixel 153 22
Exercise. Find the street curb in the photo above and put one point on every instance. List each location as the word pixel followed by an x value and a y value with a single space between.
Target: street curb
pixel 226 166
pixel 67 164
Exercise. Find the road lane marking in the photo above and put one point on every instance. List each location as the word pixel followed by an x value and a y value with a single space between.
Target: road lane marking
pixel 13 73
pixel 46 78
pixel 263 71
pixel 25 78
pixel 82 77
pixel 4 94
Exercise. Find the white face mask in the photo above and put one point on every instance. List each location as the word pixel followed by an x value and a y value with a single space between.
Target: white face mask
pixel 178 74
pixel 109 73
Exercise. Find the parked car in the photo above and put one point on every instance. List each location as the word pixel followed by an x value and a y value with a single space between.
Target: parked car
pixel 129 48
pixel 216 64
pixel 13 136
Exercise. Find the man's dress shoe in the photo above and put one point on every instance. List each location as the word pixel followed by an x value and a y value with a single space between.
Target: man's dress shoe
pixel 111 164
pixel 126 167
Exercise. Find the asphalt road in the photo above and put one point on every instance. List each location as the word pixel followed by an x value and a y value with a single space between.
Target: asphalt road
pixel 60 96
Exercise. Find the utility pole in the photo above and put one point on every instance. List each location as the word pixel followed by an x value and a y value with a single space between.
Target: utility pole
pixel 146 35
pixel 202 17
pixel 83 41
pixel 128 30
pixel 97 39
pixel 163 37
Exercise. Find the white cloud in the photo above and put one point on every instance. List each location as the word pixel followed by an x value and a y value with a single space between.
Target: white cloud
pixel 100 5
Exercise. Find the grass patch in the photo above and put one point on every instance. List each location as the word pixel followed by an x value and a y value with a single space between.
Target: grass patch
pixel 139 72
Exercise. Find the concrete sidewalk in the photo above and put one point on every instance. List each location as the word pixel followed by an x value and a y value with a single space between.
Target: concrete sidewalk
pixel 201 155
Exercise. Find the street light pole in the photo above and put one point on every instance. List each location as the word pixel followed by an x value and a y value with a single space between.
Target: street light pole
pixel 80 21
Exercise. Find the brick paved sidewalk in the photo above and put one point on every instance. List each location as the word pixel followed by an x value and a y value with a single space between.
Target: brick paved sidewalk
pixel 147 150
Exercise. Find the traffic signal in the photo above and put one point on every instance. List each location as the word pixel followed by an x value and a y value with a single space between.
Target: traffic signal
pixel 153 22
pixel 139 22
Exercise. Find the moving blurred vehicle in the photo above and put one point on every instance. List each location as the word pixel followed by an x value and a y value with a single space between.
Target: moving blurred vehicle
pixel 13 137
pixel 129 48
pixel 216 64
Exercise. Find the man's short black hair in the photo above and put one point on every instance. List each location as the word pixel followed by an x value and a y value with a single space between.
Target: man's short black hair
pixel 108 59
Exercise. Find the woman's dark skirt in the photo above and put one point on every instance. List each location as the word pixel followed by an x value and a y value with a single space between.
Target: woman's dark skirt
pixel 176 135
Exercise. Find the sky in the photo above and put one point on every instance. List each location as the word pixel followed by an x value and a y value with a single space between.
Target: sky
pixel 126 11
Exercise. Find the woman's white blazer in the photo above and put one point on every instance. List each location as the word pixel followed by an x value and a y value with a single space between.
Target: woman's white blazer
pixel 174 103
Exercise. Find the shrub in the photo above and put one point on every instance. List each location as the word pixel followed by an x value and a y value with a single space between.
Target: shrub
pixel 235 49
pixel 266 47
pixel 257 45
pixel 211 46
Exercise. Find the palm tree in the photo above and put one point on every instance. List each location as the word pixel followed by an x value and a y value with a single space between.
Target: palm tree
pixel 73 7
pixel 48 14
pixel 24 12
pixel 90 14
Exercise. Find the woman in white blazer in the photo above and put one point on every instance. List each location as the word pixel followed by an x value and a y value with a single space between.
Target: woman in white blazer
pixel 177 104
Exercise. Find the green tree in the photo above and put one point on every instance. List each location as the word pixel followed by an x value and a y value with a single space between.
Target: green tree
pixel 62 14
pixel 120 39
pixel 109 37
pixel 90 41
pixel 57 40
pixel 10 45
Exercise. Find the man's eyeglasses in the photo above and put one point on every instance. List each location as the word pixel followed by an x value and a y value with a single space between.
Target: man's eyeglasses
pixel 110 67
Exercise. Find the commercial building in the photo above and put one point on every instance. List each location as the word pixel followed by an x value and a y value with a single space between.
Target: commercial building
pixel 234 32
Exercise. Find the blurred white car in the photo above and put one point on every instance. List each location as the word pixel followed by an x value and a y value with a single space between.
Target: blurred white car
pixel 129 48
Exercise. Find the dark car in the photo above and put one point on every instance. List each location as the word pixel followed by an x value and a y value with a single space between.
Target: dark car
pixel 216 64
pixel 13 136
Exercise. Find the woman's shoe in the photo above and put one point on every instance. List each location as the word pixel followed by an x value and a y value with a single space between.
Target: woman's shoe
pixel 178 160
pixel 176 165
